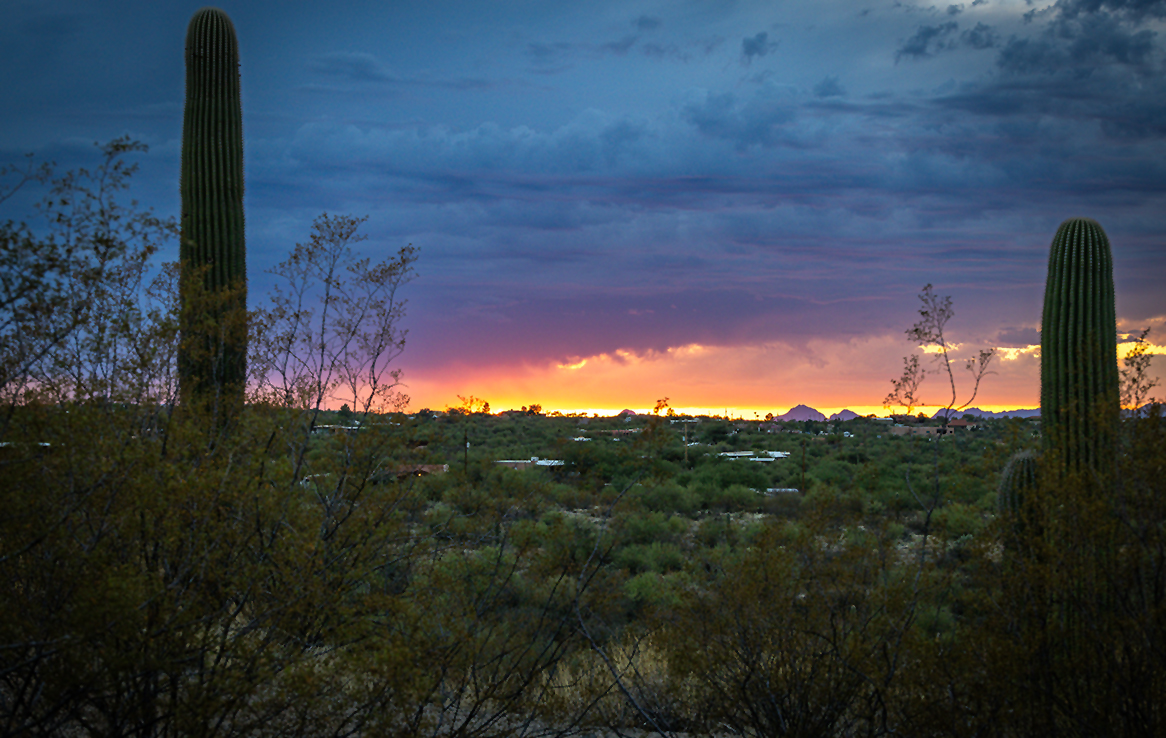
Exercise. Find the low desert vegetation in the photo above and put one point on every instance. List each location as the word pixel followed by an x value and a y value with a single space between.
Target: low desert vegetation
pixel 292 569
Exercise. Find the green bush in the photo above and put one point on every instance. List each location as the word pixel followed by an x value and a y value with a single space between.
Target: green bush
pixel 650 527
pixel 656 557
pixel 670 497
pixel 653 590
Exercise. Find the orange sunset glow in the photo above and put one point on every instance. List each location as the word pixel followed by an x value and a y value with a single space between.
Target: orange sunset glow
pixel 738 381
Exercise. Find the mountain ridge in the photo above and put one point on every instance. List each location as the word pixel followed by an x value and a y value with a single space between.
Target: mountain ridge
pixel 988 414
pixel 801 413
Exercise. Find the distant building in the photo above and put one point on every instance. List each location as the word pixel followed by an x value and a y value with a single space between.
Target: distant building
pixel 338 428
pixel 918 430
pixel 411 470
pixel 524 464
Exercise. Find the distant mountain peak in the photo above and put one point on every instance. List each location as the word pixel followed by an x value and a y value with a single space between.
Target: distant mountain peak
pixel 801 412
pixel 845 415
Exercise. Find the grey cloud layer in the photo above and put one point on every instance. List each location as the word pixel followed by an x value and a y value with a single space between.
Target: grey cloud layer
pixel 810 194
pixel 756 46
pixel 774 211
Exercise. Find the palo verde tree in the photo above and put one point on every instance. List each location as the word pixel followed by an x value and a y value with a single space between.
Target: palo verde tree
pixel 213 362
pixel 283 580
pixel 928 333
pixel 67 274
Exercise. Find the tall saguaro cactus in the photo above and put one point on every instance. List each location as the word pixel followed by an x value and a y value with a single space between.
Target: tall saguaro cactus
pixel 1079 378
pixel 212 363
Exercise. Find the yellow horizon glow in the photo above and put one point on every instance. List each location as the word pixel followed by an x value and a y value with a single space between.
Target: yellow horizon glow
pixel 746 413
pixel 744 381
pixel 747 381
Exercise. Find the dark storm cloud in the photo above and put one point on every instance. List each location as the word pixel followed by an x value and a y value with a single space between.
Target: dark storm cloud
pixel 563 206
pixel 52 27
pixel 761 120
pixel 955 9
pixel 647 23
pixel 927 41
pixel 829 87
pixel 922 157
pixel 981 37
pixel 598 321
pixel 1134 9
pixel 1078 67
pixel 356 66
pixel 619 138
pixel 559 56
pixel 619 47
pixel 1018 337
pixel 945 168
pixel 758 45
pixel 662 51
pixel 486 161
pixel 1138 119
pixel 1080 44
pixel 732 213
pixel 360 67
pixel 549 58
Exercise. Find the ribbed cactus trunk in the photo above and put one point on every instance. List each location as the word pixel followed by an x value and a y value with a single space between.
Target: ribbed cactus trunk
pixel 1079 377
pixel 213 355
pixel 1017 481
pixel 1015 500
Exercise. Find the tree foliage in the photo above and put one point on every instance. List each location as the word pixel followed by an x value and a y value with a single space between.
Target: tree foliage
pixel 269 578
pixel 332 329
pixel 81 314
pixel 291 575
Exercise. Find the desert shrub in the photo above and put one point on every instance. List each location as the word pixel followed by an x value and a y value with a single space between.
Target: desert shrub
pixel 649 527
pixel 652 589
pixel 669 497
pixel 656 557
pixel 956 519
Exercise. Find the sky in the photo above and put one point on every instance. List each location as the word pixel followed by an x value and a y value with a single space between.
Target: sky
pixel 730 204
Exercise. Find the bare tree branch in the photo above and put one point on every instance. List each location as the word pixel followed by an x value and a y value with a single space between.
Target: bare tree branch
pixel 929 333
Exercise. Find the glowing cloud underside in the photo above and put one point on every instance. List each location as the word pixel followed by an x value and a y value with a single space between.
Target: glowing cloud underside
pixel 1012 354
pixel 740 380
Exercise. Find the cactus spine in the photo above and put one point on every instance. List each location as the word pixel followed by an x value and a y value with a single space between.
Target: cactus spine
pixel 212 363
pixel 1079 378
